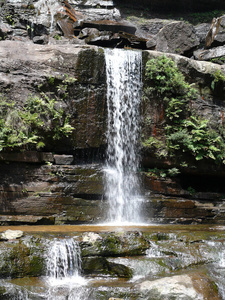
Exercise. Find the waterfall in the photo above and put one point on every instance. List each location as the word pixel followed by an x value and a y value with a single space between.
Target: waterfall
pixel 123 68
pixel 64 262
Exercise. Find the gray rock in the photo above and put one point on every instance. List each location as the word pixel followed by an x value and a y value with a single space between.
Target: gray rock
pixel 201 31
pixel 151 44
pixel 152 26
pixel 216 52
pixel 88 33
pixel 177 37
pixel 5 29
pixel 91 14
pixel 41 39
pixel 112 26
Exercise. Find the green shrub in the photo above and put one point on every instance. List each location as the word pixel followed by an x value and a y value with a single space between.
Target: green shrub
pixel 29 126
pixel 184 130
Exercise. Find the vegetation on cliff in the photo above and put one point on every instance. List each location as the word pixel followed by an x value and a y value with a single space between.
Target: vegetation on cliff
pixel 184 130
pixel 28 127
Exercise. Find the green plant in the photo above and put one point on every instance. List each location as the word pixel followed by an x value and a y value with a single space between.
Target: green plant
pixel 57 37
pixel 218 60
pixel 184 130
pixel 163 173
pixel 51 80
pixel 164 78
pixel 218 76
pixel 62 89
pixel 191 190
pixel 156 145
pixel 31 125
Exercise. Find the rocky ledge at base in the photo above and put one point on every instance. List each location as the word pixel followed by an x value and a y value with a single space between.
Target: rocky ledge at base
pixel 150 262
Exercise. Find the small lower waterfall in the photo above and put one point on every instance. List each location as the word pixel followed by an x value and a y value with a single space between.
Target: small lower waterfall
pixel 64 262
pixel 123 69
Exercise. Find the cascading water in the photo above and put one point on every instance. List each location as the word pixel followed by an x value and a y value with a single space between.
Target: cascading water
pixel 64 262
pixel 123 69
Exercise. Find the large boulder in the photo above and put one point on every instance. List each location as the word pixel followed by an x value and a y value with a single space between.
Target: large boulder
pixel 186 287
pixel 177 37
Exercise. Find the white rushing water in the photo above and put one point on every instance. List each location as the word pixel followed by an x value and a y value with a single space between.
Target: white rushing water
pixel 64 262
pixel 123 69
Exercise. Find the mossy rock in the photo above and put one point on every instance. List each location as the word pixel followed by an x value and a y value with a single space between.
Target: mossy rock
pixel 101 266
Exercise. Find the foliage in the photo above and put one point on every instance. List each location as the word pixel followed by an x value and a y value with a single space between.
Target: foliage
pixel 41 118
pixel 195 136
pixel 205 17
pixel 218 60
pixel 155 145
pixel 163 173
pixel 164 77
pixel 185 132
pixel 218 76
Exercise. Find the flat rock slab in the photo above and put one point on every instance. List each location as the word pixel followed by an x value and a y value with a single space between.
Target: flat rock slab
pixel 28 157
pixel 107 25
pixel 63 159
pixel 216 52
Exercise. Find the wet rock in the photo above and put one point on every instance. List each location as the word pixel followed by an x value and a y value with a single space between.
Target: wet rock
pixel 177 37
pixel 89 33
pixel 11 234
pixel 152 26
pixel 114 244
pixel 63 159
pixel 91 237
pixel 119 40
pixel 47 194
pixel 26 219
pixel 22 258
pixel 101 266
pixel 179 287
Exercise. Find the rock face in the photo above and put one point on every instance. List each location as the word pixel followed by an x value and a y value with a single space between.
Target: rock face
pixel 86 97
pixel 177 37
